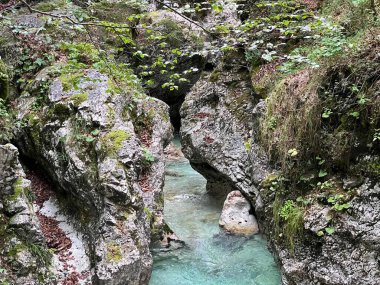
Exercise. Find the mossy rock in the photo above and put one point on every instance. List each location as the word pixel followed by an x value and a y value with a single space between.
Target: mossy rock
pixel 4 81
pixel 79 98
pixel 116 11
pixel 113 141
pixel 114 253
pixel 47 6
pixel 18 189
pixel 173 31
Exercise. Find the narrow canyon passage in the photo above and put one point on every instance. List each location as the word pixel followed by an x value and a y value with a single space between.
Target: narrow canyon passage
pixel 210 256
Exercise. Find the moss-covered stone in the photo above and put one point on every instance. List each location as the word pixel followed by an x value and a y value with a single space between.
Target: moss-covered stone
pixel 61 110
pixel 113 141
pixel 4 81
pixel 71 80
pixel 79 98
pixel 114 253
pixel 47 6
pixel 17 188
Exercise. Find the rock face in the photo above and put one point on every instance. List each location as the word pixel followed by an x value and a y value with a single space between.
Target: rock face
pixel 349 255
pixel 315 239
pixel 25 257
pixel 105 155
pixel 237 217
pixel 216 130
pixel 213 140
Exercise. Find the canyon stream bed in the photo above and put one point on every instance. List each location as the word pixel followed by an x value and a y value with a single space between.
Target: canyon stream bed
pixel 210 256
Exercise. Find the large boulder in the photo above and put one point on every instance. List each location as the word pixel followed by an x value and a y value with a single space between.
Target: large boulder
pixel 216 130
pixel 102 145
pixel 237 217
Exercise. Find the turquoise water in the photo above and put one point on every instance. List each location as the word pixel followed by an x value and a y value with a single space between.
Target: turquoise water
pixel 210 256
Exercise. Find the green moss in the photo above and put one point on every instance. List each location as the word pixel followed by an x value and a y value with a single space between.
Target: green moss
pixel 4 81
pixel 79 98
pixel 238 99
pixel 47 6
pixel 17 188
pixel 110 116
pixel 71 81
pixel 16 249
pixel 115 11
pixel 61 110
pixel 214 76
pixel 114 253
pixel 269 179
pixel 113 141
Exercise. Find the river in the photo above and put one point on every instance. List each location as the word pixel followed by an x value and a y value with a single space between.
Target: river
pixel 210 257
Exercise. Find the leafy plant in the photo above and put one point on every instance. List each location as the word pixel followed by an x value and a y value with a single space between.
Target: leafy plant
pixel 292 215
pixel 330 230
pixel 338 202
pixel 148 157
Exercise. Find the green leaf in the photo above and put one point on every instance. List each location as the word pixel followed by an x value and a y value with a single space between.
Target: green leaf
pixel 320 233
pixel 330 231
pixel 355 114
pixel 322 173
pixel 39 61
pixel 89 139
pixel 217 7
pixel 95 132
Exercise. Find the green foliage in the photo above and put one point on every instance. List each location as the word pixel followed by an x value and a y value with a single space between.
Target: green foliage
pixel 248 145
pixel 330 230
pixel 4 81
pixel 148 157
pixel 338 202
pixel 79 98
pixel 42 253
pixel 148 212
pixel 113 141
pixel 291 216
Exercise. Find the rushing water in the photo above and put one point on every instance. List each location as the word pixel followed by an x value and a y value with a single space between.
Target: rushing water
pixel 210 257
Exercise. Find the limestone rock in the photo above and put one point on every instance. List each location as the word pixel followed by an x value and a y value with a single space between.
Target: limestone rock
pixel 215 132
pixel 101 148
pixel 236 217
pixel 22 250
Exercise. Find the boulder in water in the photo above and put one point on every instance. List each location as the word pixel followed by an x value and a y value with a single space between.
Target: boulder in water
pixel 236 216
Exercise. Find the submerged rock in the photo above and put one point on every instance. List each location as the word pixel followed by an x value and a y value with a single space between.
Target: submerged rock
pixel 237 217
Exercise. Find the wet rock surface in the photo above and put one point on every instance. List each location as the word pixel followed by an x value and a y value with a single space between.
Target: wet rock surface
pixel 237 217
